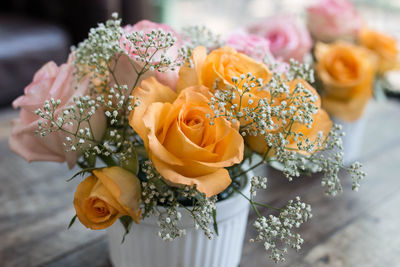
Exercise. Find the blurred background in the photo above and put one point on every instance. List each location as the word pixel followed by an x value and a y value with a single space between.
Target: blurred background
pixel 33 32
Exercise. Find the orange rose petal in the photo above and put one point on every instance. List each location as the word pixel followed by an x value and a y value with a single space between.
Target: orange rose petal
pixel 81 195
pixel 322 123
pixel 148 92
pixel 181 146
pixel 153 123
pixel 230 148
pixel 209 184
pixel 190 76
pixel 124 187
pixel 257 143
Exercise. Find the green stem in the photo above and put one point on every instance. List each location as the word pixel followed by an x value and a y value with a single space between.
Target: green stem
pixel 249 169
pixel 108 160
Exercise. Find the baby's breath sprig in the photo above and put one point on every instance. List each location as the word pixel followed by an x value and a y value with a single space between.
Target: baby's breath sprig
pixel 93 56
pixel 74 121
pixel 274 230
pixel 299 70
pixel 156 193
pixel 201 36
pixel 151 49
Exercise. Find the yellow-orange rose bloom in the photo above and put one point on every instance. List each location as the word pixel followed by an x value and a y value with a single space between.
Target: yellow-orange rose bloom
pixel 347 75
pixel 321 123
pixel 183 146
pixel 384 46
pixel 220 65
pixel 106 195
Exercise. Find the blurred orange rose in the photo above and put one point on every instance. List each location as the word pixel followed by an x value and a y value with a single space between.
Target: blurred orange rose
pixel 106 195
pixel 184 147
pixel 347 75
pixel 384 46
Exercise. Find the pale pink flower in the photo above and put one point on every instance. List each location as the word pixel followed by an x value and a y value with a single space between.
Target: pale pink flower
pixel 252 45
pixel 49 82
pixel 329 20
pixel 287 39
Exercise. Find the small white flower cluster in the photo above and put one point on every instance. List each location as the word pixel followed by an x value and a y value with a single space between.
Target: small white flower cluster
pixel 155 192
pixel 275 229
pixel 93 55
pixel 256 183
pixel 204 214
pixel 168 220
pixel 73 121
pixel 201 36
pixel 152 50
pixel 299 70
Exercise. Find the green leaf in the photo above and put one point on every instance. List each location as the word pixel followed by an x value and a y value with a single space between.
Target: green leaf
pixel 248 154
pixel 127 223
pixel 131 164
pixel 82 172
pixel 72 221
pixel 215 224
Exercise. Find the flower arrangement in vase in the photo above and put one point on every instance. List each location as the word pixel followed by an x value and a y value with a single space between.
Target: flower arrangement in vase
pixel 163 126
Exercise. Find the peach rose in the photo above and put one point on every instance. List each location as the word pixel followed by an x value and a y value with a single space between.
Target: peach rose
pixel 49 82
pixel 330 20
pixel 106 195
pixel 347 75
pixel 220 65
pixel 184 147
pixel 124 71
pixel 287 39
pixel 384 46
pixel 321 123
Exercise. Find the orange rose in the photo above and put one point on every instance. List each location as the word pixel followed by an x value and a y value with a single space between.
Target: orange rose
pixel 384 46
pixel 220 65
pixel 321 123
pixel 347 74
pixel 106 195
pixel 184 147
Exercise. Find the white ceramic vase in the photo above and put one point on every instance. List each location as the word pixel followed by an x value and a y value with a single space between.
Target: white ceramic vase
pixel 353 139
pixel 144 248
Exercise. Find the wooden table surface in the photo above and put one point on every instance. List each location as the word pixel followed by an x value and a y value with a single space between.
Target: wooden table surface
pixel 354 229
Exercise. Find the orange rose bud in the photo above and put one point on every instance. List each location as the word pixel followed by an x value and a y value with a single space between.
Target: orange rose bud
pixel 182 144
pixel 384 46
pixel 347 75
pixel 106 195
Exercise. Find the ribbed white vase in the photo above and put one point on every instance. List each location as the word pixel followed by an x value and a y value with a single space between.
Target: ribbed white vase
pixel 353 139
pixel 144 248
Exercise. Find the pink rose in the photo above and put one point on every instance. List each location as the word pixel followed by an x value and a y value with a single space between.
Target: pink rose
pixel 124 71
pixel 256 47
pixel 252 45
pixel 49 82
pixel 287 39
pixel 329 20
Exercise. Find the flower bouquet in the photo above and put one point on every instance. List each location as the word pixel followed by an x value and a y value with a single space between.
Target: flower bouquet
pixel 351 65
pixel 166 128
